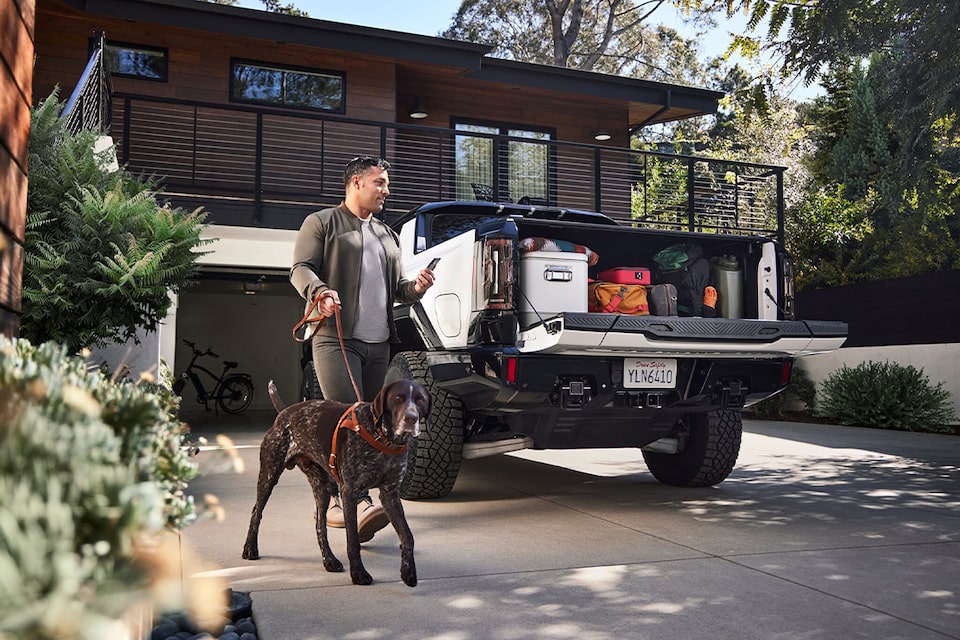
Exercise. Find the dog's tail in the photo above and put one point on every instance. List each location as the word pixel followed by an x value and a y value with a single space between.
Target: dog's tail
pixel 275 397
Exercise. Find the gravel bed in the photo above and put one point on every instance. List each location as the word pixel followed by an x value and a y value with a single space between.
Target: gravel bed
pixel 179 626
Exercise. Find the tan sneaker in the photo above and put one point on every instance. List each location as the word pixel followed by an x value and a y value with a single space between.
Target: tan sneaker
pixel 335 514
pixel 370 519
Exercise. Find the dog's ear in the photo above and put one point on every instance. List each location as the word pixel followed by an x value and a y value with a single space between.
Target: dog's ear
pixel 378 403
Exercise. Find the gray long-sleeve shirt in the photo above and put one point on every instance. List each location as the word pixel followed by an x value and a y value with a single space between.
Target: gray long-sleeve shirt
pixel 327 255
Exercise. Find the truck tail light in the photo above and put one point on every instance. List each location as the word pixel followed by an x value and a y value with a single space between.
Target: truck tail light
pixel 785 372
pixel 511 363
pixel 496 273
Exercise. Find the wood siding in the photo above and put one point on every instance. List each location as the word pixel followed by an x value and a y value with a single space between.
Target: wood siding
pixel 198 62
pixel 16 71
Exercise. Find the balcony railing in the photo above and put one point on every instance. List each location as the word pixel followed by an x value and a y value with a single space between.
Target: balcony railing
pixel 252 166
pixel 88 108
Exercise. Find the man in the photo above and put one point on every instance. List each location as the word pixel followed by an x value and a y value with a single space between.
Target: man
pixel 353 259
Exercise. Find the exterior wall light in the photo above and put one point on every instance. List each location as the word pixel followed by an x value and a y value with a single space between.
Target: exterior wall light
pixel 417 113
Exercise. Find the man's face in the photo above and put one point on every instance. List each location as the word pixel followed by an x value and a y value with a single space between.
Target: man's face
pixel 372 189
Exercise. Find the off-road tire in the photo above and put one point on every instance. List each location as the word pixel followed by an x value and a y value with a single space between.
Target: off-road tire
pixel 236 394
pixel 710 446
pixel 433 459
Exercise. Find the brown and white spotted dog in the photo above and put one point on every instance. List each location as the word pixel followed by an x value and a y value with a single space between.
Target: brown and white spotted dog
pixel 303 435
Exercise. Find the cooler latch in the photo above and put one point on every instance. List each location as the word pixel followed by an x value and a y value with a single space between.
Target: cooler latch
pixel 554 273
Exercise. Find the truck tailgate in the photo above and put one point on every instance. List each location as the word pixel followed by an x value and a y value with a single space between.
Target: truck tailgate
pixel 600 333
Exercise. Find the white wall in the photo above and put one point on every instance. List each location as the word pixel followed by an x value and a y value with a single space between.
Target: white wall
pixel 940 363
pixel 138 358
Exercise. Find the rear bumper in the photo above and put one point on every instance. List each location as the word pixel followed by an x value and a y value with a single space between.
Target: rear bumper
pixel 564 401
pixel 504 382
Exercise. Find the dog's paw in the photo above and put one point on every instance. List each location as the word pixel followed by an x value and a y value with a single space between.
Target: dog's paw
pixel 251 553
pixel 408 573
pixel 332 565
pixel 361 576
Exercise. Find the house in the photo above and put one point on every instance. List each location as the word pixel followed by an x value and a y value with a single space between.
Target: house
pixel 252 115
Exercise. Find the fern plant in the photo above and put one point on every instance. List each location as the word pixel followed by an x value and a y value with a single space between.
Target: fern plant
pixel 101 253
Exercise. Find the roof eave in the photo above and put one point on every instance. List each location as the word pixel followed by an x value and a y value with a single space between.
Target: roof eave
pixel 278 27
pixel 673 96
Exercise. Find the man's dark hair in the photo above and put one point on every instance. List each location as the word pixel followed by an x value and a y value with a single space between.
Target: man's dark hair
pixel 357 166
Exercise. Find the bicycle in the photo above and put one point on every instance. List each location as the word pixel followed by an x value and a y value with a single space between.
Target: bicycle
pixel 233 393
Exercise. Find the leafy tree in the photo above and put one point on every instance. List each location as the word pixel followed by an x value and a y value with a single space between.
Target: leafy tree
pixel 906 219
pixel 917 39
pixel 270 5
pixel 101 255
pixel 606 36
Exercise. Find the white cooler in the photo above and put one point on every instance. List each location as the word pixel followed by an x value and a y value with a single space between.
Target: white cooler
pixel 551 282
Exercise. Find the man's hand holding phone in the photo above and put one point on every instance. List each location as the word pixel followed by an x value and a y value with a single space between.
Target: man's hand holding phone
pixel 425 278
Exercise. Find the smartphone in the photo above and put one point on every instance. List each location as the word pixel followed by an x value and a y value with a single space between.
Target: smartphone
pixel 433 264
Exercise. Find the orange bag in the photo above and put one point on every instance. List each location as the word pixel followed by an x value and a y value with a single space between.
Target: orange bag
pixel 610 297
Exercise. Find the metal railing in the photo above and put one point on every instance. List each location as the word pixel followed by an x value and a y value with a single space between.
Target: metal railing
pixel 88 107
pixel 253 166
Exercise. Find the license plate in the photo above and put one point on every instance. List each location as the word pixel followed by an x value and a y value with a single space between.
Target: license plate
pixel 649 373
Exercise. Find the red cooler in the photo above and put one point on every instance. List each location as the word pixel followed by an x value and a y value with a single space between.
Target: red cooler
pixel 626 275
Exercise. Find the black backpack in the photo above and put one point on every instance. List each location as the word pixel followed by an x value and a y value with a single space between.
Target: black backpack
pixel 686 267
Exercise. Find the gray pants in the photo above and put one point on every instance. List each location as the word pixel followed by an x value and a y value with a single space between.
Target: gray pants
pixel 368 363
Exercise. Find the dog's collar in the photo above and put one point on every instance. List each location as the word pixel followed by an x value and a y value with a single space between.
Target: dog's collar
pixel 350 420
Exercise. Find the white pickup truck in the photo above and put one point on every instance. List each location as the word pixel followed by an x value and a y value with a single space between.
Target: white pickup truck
pixel 513 359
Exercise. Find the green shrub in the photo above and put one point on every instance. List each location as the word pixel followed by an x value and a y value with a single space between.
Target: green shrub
pixel 87 465
pixel 101 252
pixel 886 395
pixel 801 389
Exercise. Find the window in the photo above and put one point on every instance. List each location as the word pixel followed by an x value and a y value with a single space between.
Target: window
pixel 492 164
pixel 135 61
pixel 450 226
pixel 299 88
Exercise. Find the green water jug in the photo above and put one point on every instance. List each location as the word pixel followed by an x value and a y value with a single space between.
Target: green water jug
pixel 727 277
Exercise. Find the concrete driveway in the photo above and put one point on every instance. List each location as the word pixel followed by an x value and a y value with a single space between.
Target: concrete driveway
pixel 821 532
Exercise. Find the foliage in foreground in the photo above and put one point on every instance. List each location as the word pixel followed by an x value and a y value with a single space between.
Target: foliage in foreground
pixel 101 254
pixel 89 469
pixel 885 395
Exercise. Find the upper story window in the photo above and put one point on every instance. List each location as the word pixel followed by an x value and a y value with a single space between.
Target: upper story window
pixel 265 83
pixel 503 162
pixel 136 61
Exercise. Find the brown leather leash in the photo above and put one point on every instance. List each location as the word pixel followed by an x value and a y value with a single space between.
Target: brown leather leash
pixel 308 319
pixel 349 419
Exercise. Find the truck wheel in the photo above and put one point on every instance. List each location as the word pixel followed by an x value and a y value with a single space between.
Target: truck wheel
pixel 708 455
pixel 433 459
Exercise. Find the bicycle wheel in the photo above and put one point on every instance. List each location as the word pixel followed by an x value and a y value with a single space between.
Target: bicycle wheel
pixel 236 394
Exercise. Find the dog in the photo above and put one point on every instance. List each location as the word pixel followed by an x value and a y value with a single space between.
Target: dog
pixel 303 434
